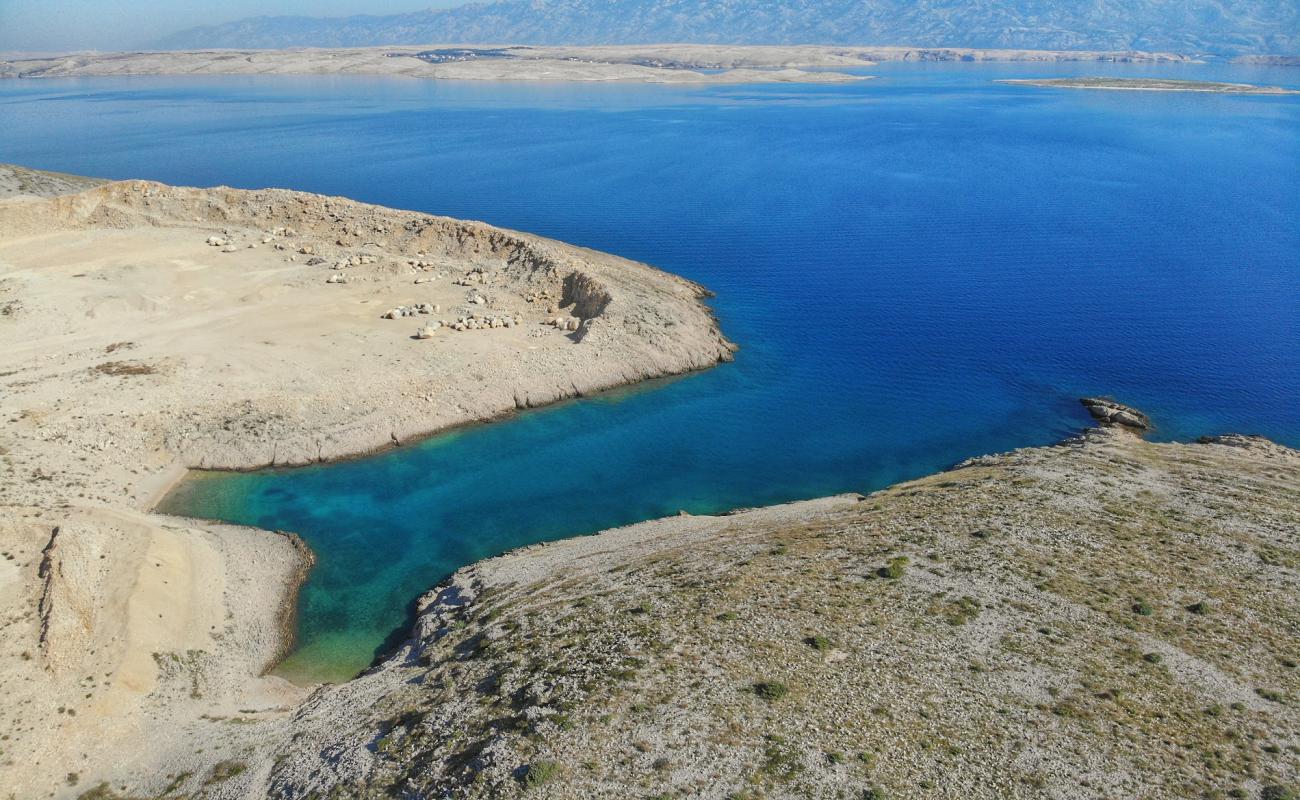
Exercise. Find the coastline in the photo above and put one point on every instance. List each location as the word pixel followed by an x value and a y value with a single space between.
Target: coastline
pixel 192 356
pixel 289 603
pixel 288 615
pixel 687 613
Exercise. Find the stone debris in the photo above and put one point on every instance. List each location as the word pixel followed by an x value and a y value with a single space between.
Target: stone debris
pixel 412 310
pixel 472 278
pixel 337 278
pixel 429 330
pixel 476 322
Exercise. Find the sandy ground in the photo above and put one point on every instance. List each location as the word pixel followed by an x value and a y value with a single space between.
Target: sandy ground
pixel 149 329
pixel 669 63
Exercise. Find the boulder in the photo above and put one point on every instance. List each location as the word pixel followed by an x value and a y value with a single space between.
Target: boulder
pixel 428 331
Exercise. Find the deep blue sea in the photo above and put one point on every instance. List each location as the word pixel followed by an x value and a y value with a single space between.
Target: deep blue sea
pixel 919 269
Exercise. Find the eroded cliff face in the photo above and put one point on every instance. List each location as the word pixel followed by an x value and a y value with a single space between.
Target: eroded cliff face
pixel 1104 618
pixel 150 328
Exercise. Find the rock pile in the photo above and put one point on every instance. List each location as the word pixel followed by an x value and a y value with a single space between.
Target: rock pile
pixel 474 277
pixel 411 311
pixel 480 322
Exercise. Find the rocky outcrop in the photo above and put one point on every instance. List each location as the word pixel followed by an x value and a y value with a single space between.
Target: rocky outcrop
pixel 1108 412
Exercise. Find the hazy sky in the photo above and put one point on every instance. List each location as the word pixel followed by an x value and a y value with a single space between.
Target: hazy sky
pixel 115 24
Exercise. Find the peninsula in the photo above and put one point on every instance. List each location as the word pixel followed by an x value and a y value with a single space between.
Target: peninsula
pixel 149 329
pixel 1149 85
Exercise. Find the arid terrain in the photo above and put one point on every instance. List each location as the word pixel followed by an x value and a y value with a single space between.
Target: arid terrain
pixel 149 329
pixel 689 64
pixel 1104 618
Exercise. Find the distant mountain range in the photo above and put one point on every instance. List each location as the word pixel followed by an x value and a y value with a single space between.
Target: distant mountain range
pixel 1222 27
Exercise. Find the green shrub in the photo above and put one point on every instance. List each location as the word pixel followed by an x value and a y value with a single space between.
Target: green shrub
pixel 1143 607
pixel 1199 607
pixel 894 569
pixel 819 643
pixel 771 690
pixel 963 611
pixel 539 772
pixel 780 760
pixel 1277 792
pixel 1153 658
pixel 225 770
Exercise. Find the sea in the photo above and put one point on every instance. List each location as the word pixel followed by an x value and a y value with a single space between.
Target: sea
pixel 918 268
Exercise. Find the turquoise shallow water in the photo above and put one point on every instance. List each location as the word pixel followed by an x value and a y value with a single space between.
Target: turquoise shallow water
pixel 919 269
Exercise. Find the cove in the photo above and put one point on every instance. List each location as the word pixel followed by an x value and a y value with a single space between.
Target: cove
pixel 919 269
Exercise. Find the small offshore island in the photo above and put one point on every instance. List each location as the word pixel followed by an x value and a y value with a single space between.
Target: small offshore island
pixel 1108 617
pixel 1149 85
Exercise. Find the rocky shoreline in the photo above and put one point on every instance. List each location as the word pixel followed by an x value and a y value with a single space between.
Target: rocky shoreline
pixel 136 344
pixel 678 653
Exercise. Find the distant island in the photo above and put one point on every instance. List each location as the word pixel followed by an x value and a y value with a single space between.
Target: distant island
pixel 1149 85
pixel 657 63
